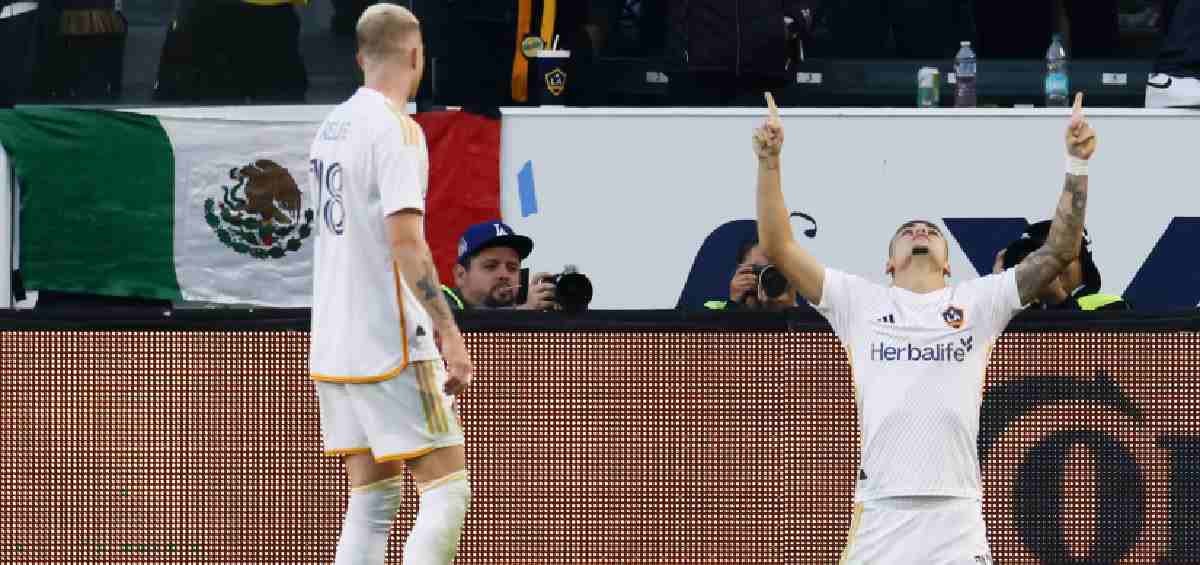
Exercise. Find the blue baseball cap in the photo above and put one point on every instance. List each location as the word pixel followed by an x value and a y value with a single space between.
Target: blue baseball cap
pixel 492 234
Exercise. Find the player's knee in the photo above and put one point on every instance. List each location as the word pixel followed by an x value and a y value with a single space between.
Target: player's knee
pixel 444 504
pixel 450 494
pixel 375 505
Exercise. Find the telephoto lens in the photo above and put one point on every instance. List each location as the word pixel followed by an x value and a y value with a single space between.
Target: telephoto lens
pixel 573 290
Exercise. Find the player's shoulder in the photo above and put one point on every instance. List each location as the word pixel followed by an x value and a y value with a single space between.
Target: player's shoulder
pixel 409 130
pixel 383 117
pixel 851 293
pixel 989 283
pixel 852 282
pixel 394 124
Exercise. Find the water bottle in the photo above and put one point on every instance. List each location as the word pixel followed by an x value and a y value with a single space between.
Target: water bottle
pixel 964 71
pixel 1057 87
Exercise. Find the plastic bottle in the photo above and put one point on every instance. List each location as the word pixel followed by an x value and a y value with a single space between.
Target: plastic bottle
pixel 964 72
pixel 1057 83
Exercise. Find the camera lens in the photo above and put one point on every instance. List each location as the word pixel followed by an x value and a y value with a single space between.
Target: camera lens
pixel 573 292
pixel 772 282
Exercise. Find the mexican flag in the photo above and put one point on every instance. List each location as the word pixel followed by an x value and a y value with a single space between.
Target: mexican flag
pixel 201 209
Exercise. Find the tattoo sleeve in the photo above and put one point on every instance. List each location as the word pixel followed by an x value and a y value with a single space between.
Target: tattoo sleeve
pixel 421 275
pixel 1062 244
pixel 430 294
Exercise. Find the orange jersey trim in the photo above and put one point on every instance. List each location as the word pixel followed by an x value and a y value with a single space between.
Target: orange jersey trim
pixel 410 130
pixel 345 452
pixel 403 324
pixel 406 455
pixel 360 379
pixel 367 379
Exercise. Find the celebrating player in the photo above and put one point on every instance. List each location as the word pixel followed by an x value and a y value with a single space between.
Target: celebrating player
pixel 377 303
pixel 918 350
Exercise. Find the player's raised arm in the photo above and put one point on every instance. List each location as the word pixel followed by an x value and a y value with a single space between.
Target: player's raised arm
pixel 1062 243
pixel 774 226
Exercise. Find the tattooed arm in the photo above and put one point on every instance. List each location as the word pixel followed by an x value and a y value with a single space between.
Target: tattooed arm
pixel 1062 244
pixel 414 262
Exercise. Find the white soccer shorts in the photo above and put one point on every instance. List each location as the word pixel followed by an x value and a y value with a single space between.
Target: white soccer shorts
pixel 918 531
pixel 401 418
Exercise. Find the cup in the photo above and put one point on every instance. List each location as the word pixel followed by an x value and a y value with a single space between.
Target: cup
pixel 550 77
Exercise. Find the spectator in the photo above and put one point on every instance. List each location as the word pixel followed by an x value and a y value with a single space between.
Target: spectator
pixel 1076 288
pixel 1089 27
pixel 745 290
pixel 234 50
pixel 734 50
pixel 1176 78
pixel 487 274
pixel 908 29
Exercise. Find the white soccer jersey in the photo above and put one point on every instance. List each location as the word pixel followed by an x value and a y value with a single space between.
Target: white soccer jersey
pixel 368 160
pixel 918 362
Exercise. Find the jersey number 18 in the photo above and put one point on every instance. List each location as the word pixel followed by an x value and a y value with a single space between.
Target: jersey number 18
pixel 329 184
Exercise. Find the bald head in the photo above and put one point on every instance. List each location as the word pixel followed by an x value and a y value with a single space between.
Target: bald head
pixel 387 29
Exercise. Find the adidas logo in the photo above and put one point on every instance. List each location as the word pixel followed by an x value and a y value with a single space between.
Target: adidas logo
pixel 889 319
pixel 420 331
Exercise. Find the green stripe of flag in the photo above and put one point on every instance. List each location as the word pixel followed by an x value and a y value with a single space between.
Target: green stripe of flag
pixel 97 201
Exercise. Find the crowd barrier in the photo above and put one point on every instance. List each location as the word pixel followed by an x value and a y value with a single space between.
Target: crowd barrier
pixel 615 437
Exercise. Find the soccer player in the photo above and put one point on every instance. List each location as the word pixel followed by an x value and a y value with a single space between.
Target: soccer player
pixel 918 350
pixel 384 390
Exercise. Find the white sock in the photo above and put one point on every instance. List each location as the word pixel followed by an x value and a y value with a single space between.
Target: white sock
pixel 434 537
pixel 369 516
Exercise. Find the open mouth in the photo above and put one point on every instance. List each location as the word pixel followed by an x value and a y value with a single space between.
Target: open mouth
pixel 920 250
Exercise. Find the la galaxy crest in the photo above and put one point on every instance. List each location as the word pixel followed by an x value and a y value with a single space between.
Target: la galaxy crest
pixel 556 81
pixel 954 316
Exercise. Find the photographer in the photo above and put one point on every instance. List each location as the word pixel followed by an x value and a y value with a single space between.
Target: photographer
pixel 1077 287
pixel 755 284
pixel 488 272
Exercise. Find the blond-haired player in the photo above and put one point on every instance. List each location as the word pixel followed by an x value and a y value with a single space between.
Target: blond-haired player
pixel 918 349
pixel 384 389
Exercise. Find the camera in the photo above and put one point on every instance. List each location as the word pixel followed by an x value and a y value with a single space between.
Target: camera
pixel 572 289
pixel 771 281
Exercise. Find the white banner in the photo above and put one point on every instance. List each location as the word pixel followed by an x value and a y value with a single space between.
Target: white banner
pixel 630 195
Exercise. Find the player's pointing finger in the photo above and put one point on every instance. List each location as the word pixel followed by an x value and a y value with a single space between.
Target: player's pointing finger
pixel 772 109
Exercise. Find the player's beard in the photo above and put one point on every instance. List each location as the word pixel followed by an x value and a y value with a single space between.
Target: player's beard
pixel 502 295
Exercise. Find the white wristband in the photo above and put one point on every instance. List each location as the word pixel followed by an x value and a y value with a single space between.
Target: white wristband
pixel 1077 167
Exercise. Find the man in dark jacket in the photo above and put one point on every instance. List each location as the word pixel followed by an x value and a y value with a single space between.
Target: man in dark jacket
pixel 235 51
pixel 18 38
pixel 734 48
